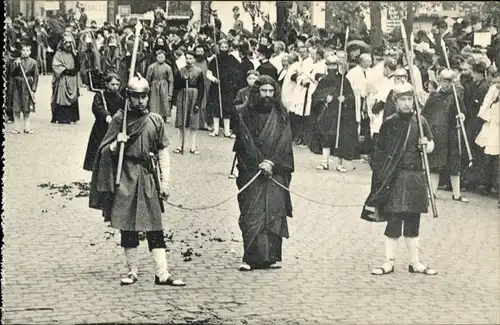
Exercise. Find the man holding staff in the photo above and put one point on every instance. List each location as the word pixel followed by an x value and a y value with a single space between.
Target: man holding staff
pixel 24 82
pixel 328 101
pixel 399 191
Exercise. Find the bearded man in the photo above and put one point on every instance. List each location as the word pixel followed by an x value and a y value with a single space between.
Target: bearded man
pixel 135 205
pixel 263 143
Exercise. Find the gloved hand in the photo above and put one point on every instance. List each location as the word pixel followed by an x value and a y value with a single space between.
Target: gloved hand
pixel 267 168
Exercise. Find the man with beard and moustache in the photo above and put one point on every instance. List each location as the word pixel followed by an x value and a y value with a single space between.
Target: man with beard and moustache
pixel 473 99
pixel 399 190
pixel 263 143
pixel 324 112
pixel 202 63
pixel 189 98
pixel 103 113
pixel 228 79
pixel 135 205
pixel 441 112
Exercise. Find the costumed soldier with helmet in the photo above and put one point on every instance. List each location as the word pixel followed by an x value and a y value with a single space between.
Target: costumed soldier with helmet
pixel 399 193
pixel 136 204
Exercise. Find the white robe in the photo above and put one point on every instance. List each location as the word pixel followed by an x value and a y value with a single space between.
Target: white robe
pixel 359 86
pixel 305 70
pixel 382 90
pixel 288 88
pixel 276 61
pixel 318 67
pixel 489 137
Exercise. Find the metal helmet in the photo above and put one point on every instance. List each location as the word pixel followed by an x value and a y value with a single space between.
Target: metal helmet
pixel 138 85
pixel 404 89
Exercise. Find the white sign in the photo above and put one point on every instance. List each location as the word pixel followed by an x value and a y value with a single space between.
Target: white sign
pixel 124 10
pixel 482 39
pixel 51 5
pixel 96 10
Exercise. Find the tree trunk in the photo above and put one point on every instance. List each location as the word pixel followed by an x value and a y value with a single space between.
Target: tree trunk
pixel 281 20
pixel 376 24
pixel 409 19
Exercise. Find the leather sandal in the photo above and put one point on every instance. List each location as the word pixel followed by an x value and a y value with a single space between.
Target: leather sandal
pixel 214 134
pixel 15 132
pixel 170 282
pixel 341 169
pixel 245 267
pixel 274 266
pixel 29 131
pixel 131 278
pixel 178 151
pixel 194 152
pixel 323 167
pixel 386 268
pixel 461 198
pixel 426 270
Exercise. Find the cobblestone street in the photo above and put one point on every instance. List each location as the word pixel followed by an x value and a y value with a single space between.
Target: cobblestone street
pixel 62 264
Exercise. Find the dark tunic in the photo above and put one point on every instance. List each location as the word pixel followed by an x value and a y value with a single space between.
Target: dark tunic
pixel 161 81
pixel 325 116
pixel 114 102
pixel 241 97
pixel 21 100
pixel 440 111
pixel 65 91
pixel 204 116
pixel 268 69
pixel 134 205
pixel 246 65
pixel 398 179
pixel 475 92
pixel 230 82
pixel 189 100
pixel 263 134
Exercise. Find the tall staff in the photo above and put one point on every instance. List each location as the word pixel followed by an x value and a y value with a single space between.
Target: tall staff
pixel 131 74
pixel 32 96
pixel 461 128
pixel 341 89
pixel 218 75
pixel 420 128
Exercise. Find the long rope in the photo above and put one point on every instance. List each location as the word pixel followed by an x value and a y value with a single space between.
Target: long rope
pixel 207 207
pixel 180 206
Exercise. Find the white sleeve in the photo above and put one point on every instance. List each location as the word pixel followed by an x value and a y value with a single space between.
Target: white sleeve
pixel 210 76
pixel 164 162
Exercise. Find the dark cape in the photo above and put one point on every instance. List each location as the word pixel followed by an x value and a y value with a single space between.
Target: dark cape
pixel 440 111
pixel 324 117
pixel 396 164
pixel 114 102
pixel 102 187
pixel 231 80
pixel 263 133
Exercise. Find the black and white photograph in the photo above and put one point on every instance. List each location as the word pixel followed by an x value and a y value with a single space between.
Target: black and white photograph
pixel 250 162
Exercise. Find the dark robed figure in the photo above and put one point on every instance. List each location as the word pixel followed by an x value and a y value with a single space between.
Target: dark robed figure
pixel 103 116
pixel 264 142
pixel 399 190
pixel 441 111
pixel 324 114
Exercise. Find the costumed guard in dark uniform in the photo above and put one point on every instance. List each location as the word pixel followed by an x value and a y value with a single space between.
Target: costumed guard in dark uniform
pixel 324 111
pixel 135 205
pixel 399 190
pixel 103 113
pixel 441 112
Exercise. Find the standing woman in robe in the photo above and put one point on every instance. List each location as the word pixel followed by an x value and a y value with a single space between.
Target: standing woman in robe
pixel 103 116
pixel 65 92
pixel 161 79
